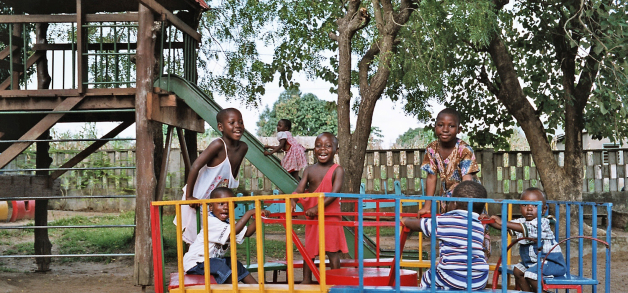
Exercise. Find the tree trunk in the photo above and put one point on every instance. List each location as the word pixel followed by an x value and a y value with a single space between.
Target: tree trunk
pixel 388 22
pixel 560 183
pixel 42 160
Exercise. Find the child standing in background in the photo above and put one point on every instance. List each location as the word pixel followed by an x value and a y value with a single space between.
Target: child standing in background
pixel 451 231
pixel 324 176
pixel 295 158
pixel 218 165
pixel 448 157
pixel 451 159
pixel 525 271
pixel 218 237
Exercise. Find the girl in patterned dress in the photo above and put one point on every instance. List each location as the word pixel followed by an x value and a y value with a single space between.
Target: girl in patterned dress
pixel 449 158
pixel 452 160
pixel 295 158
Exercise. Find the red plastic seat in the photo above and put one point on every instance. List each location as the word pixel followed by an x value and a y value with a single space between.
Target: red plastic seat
pixel 189 280
pixel 372 277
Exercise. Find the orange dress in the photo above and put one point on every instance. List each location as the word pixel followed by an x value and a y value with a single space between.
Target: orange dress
pixel 334 235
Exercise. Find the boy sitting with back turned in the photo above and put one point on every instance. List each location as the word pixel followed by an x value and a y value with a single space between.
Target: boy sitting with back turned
pixel 218 236
pixel 451 229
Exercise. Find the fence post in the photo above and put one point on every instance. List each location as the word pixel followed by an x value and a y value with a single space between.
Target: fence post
pixel 489 177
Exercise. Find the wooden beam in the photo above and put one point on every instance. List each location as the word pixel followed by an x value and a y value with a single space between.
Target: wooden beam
pixel 163 172
pixel 91 149
pixel 162 109
pixel 17 67
pixel 5 53
pixel 184 150
pixel 16 39
pixel 42 126
pixel 37 18
pixel 37 93
pixel 68 18
pixel 177 22
pixel 31 60
pixel 66 93
pixel 49 103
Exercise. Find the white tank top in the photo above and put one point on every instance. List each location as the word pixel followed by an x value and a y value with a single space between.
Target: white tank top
pixel 208 179
pixel 211 177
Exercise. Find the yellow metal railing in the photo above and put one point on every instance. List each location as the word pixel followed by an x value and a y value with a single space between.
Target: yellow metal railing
pixel 235 287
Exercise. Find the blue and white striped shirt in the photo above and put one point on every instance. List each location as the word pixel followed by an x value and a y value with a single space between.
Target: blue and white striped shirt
pixel 451 269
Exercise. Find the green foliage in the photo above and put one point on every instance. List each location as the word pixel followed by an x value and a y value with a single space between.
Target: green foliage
pixel 375 139
pixel 309 115
pixel 451 59
pixel 415 138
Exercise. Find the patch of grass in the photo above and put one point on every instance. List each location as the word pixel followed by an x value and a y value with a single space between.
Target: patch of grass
pixel 26 248
pixel 95 240
pixel 7 233
pixel 9 270
pixel 383 231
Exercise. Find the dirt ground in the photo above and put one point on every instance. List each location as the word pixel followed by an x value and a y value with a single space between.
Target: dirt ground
pixel 19 274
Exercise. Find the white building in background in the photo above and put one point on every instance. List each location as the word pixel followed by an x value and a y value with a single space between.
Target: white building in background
pixel 589 143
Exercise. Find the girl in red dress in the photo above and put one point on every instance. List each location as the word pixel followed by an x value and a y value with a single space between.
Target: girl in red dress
pixel 324 176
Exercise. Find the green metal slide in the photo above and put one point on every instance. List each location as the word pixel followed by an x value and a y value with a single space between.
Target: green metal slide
pixel 207 108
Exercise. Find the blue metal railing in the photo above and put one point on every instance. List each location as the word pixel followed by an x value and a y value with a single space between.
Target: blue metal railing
pixel 504 208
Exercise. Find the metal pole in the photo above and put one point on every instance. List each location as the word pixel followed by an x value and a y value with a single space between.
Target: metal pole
pixel 68 255
pixel 67 197
pixel 68 112
pixel 66 169
pixel 69 227
pixel 73 59
pixel 67 140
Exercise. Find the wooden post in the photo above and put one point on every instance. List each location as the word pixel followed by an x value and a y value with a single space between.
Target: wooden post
pixel 163 173
pixel 81 48
pixel 42 160
pixel 17 58
pixel 192 145
pixel 489 178
pixel 145 135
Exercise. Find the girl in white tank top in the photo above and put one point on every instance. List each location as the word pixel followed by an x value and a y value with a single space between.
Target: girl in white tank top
pixel 208 179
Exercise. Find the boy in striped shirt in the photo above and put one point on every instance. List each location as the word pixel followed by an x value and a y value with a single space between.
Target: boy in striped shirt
pixel 451 229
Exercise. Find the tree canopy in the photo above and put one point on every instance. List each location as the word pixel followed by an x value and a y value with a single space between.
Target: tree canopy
pixel 415 138
pixel 309 115
pixel 549 65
